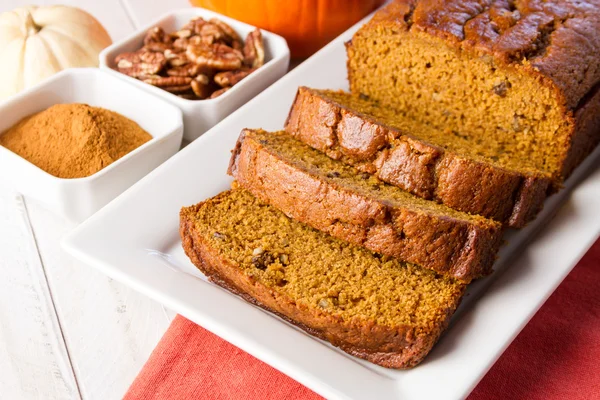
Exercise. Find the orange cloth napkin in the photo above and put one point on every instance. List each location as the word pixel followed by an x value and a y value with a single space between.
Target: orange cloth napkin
pixel 556 356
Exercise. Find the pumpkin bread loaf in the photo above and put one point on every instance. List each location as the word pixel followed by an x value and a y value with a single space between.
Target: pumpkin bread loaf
pixel 520 77
pixel 380 309
pixel 357 207
pixel 429 162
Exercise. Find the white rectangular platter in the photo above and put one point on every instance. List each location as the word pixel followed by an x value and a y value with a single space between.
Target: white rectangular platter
pixel 135 240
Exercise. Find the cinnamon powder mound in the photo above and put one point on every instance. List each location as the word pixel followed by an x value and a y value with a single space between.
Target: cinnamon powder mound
pixel 74 140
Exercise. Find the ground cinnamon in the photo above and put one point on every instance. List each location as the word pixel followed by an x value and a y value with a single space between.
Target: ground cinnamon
pixel 74 140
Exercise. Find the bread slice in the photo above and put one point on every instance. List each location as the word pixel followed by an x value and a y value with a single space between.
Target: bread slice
pixel 415 157
pixel 522 77
pixel 335 198
pixel 383 310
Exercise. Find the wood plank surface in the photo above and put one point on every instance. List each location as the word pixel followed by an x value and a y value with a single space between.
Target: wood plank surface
pixel 34 362
pixel 66 331
pixel 110 330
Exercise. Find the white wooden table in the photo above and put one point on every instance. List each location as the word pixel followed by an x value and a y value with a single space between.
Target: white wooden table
pixel 66 331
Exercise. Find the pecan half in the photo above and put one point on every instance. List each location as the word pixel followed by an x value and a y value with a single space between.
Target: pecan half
pixel 157 46
pixel 177 89
pixel 217 56
pixel 156 34
pixel 181 44
pixel 173 53
pixel 195 25
pixel 176 58
pixel 202 79
pixel 189 70
pixel 211 33
pixel 230 78
pixel 229 34
pixel 168 81
pixel 219 92
pixel 201 86
pixel 239 46
pixel 254 51
pixel 157 40
pixel 140 63
pixel 182 33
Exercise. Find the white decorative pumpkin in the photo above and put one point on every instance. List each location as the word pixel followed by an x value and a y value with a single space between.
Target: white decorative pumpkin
pixel 37 42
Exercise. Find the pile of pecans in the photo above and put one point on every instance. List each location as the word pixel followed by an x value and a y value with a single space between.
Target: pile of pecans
pixel 202 60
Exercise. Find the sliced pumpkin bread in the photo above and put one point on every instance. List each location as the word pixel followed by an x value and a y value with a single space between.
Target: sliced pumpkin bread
pixel 519 75
pixel 457 171
pixel 357 207
pixel 380 309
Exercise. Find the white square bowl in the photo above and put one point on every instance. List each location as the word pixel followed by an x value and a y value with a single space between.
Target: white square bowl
pixel 79 198
pixel 201 115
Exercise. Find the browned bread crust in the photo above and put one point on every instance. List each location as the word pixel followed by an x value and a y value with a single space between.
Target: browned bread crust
pixel 464 249
pixel 424 169
pixel 559 38
pixel 586 135
pixel 396 347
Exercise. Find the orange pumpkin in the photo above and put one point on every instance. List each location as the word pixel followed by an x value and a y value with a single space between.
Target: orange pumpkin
pixel 307 25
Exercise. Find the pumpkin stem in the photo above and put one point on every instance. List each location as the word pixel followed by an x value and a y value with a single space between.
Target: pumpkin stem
pixel 29 26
